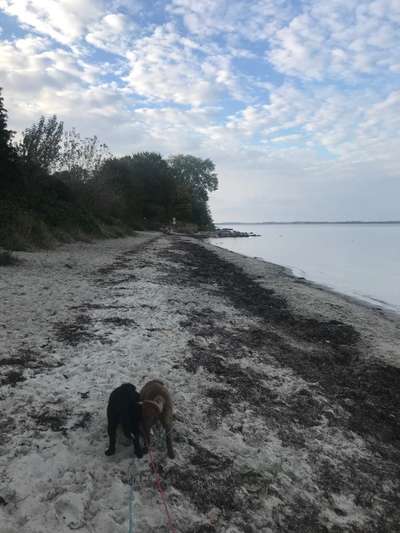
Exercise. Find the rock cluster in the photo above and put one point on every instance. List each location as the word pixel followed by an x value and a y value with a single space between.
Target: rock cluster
pixel 226 232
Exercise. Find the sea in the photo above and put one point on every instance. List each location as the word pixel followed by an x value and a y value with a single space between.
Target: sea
pixel 360 260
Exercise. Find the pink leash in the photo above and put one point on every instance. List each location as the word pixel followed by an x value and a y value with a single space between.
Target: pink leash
pixel 160 490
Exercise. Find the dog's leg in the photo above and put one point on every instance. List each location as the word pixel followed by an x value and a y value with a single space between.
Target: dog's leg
pixel 137 445
pixel 168 430
pixel 146 436
pixel 112 430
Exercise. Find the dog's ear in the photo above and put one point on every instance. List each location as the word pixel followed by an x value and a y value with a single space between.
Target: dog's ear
pixel 150 409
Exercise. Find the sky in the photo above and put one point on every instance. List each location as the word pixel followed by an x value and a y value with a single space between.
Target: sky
pixel 296 102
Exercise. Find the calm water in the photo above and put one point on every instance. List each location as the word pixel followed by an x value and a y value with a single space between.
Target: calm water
pixel 359 260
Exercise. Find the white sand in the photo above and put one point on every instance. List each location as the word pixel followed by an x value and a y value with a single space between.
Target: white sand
pixel 54 474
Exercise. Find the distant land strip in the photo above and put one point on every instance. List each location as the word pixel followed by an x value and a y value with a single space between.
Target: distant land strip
pixel 311 222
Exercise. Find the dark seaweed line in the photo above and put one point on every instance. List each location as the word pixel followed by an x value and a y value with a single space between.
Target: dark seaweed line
pixel 370 392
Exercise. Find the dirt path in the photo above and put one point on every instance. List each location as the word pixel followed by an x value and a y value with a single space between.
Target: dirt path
pixel 285 419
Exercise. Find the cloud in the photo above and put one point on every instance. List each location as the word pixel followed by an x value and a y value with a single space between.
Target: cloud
pixel 256 20
pixel 38 79
pixel 320 117
pixel 167 66
pixel 31 57
pixel 114 33
pixel 62 20
pixel 340 39
pixel 99 23
pixel 290 99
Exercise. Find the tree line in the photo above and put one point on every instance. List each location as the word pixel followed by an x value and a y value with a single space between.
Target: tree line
pixel 56 184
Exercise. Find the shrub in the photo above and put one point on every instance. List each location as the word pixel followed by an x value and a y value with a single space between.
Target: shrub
pixel 8 259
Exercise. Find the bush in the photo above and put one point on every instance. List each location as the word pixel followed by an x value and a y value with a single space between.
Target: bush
pixel 55 187
pixel 21 229
pixel 8 259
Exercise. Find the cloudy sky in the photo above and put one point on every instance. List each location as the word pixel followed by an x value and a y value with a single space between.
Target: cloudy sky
pixel 297 102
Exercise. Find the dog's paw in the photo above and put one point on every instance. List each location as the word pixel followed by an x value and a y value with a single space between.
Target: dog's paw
pixel 109 452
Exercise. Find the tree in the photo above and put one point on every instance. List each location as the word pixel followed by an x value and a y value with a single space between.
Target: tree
pixel 11 183
pixel 144 186
pixel 81 158
pixel 157 184
pixel 183 209
pixel 198 174
pixel 195 178
pixel 41 143
pixel 6 150
pixel 117 193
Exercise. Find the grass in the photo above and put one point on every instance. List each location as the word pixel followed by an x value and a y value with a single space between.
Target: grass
pixel 8 259
pixel 23 229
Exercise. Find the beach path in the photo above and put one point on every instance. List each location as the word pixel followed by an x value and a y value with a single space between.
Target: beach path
pixel 287 397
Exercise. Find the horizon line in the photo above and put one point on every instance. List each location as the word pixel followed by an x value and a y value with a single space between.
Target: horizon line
pixel 315 222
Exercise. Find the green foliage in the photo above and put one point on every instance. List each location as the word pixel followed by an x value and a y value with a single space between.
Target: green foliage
pixel 201 214
pixel 195 178
pixel 80 158
pixel 5 134
pixel 183 209
pixel 120 193
pixel 41 143
pixel 7 258
pixel 198 174
pixel 19 227
pixel 156 182
pixel 61 185
pixel 7 152
pixel 143 186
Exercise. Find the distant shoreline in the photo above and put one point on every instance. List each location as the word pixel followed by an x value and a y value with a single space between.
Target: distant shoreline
pixel 311 222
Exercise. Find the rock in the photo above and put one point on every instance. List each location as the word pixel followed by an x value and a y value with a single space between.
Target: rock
pixel 223 233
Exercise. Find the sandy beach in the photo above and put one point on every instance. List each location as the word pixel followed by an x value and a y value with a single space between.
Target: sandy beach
pixel 287 397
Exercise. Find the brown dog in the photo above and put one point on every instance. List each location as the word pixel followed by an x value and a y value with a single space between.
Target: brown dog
pixel 157 405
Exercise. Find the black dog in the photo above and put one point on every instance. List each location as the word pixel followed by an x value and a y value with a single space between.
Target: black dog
pixel 124 408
